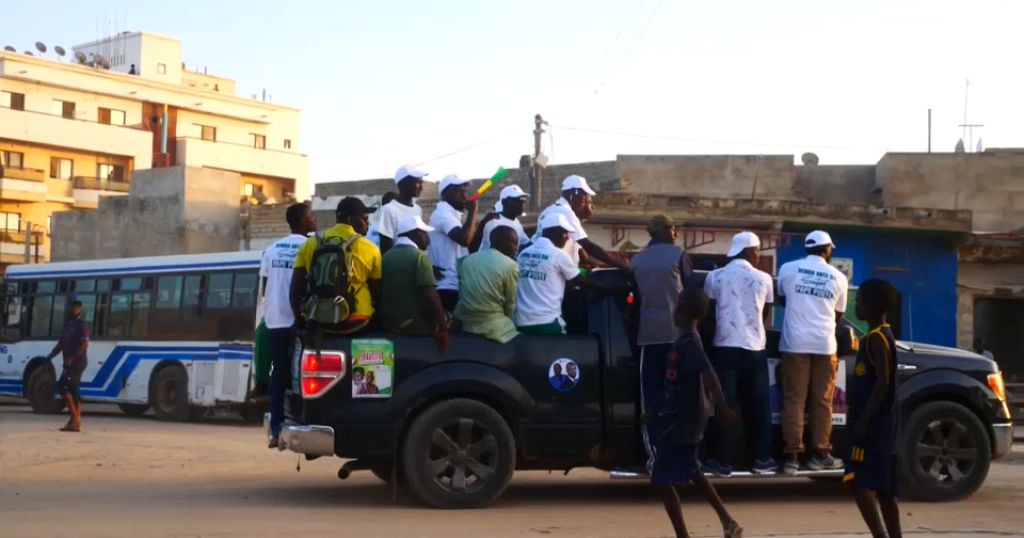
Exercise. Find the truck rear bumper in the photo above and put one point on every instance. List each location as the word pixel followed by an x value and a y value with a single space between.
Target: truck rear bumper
pixel 1002 440
pixel 309 439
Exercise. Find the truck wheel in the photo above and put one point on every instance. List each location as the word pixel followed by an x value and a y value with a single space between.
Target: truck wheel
pixel 134 410
pixel 169 395
pixel 458 453
pixel 41 389
pixel 947 452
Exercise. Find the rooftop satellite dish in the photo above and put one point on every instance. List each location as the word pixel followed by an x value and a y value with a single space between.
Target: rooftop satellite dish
pixel 100 61
pixel 80 56
pixel 40 46
pixel 29 53
pixel 9 48
pixel 59 50
pixel 809 159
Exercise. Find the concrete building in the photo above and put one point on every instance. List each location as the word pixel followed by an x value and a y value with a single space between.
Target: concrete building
pixel 72 130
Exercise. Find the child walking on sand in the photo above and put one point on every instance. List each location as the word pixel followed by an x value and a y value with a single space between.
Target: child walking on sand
pixel 683 416
pixel 874 414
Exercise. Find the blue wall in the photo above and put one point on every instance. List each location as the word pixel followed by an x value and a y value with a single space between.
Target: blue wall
pixel 923 269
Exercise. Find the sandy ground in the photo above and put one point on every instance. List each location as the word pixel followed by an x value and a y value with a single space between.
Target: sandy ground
pixel 138 477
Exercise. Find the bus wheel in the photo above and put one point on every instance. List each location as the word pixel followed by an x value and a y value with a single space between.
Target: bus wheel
pixel 41 391
pixel 134 410
pixel 169 395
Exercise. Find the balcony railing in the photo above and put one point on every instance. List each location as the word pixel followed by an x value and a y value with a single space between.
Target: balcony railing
pixel 100 184
pixel 30 174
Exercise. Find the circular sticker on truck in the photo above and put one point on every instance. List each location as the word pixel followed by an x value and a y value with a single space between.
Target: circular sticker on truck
pixel 563 374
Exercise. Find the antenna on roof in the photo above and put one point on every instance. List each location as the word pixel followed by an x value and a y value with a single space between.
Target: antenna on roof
pixel 40 46
pixel 59 50
pixel 9 48
pixel 80 56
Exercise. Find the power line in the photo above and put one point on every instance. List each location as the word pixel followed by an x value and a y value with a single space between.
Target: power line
pixel 467 148
pixel 631 47
pixel 622 30
pixel 710 141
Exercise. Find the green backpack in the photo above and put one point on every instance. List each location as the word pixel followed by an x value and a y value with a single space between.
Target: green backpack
pixel 330 297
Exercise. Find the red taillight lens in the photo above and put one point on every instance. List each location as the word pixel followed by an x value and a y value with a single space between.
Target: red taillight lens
pixel 318 373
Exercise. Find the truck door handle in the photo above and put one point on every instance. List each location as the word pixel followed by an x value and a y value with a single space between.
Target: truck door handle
pixel 906 367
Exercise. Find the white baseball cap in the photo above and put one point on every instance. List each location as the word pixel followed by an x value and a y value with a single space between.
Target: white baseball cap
pixel 818 238
pixel 556 220
pixel 413 222
pixel 406 170
pixel 577 182
pixel 743 241
pixel 512 191
pixel 449 180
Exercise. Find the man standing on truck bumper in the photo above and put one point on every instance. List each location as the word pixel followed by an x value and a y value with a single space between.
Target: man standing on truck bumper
pixel 275 279
pixel 741 292
pixel 660 270
pixel 814 293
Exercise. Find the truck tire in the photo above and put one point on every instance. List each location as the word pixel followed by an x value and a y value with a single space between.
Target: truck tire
pixel 169 395
pixel 41 389
pixel 946 452
pixel 134 410
pixel 458 453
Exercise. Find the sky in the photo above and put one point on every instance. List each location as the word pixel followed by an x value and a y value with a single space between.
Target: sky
pixel 453 85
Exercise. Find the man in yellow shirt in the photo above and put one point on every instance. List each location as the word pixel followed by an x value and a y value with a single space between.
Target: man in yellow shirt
pixel 353 218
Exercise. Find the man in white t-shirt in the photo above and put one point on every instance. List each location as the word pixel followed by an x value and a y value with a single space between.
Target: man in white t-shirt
pixel 545 269
pixel 276 269
pixel 814 294
pixel 742 293
pixel 577 205
pixel 507 210
pixel 449 241
pixel 410 184
pixel 374 232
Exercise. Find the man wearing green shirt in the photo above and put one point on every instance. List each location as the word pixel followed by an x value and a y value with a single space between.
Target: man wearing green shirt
pixel 488 281
pixel 409 302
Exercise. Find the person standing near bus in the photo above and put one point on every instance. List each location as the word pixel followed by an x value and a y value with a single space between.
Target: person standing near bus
pixel 276 269
pixel 73 343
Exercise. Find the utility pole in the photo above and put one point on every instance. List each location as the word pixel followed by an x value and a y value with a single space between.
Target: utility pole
pixel 536 187
pixel 929 130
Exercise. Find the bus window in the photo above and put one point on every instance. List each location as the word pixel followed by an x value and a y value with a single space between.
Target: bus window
pixel 140 314
pixel 88 308
pixel 103 286
pixel 85 285
pixel 41 307
pixel 244 295
pixel 60 303
pixel 219 294
pixel 46 287
pixel 191 296
pixel 130 284
pixel 168 295
pixel 120 315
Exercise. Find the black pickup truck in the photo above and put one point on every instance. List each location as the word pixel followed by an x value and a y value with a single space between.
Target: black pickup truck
pixel 454 427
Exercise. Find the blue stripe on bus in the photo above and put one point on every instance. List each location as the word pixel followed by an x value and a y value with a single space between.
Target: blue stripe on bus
pixel 140 269
pixel 123 360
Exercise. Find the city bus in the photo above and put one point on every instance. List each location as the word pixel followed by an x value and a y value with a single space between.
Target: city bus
pixel 171 333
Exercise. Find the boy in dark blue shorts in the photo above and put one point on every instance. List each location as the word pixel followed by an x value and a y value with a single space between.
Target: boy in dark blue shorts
pixel 683 415
pixel 873 414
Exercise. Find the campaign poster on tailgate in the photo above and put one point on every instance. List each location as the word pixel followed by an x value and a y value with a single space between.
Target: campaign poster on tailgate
pixel 373 368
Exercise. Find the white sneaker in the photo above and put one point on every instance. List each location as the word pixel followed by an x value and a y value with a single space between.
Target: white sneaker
pixel 824 463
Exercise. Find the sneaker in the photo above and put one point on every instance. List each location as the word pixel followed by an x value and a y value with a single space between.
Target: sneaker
pixel 717 469
pixel 824 463
pixel 273 442
pixel 765 467
pixel 790 467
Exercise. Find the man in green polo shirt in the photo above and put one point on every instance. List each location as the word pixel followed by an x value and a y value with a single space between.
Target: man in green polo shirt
pixel 409 302
pixel 488 280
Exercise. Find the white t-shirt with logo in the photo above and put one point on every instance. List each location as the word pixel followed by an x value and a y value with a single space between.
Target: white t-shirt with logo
pixel 543 272
pixel 443 251
pixel 572 247
pixel 502 220
pixel 814 292
pixel 740 291
pixel 391 214
pixel 277 266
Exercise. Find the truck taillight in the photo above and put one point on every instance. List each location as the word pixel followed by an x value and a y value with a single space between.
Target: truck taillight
pixel 319 372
